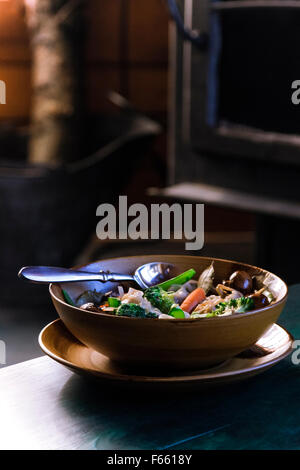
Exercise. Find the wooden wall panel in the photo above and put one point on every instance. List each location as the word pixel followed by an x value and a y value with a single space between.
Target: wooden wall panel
pixel 99 81
pixel 12 24
pixel 17 79
pixel 148 88
pixel 126 50
pixel 103 30
pixel 148 31
pixel 14 51
pixel 14 43
pixel 14 62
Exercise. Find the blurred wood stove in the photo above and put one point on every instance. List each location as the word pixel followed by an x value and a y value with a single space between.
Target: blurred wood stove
pixel 234 131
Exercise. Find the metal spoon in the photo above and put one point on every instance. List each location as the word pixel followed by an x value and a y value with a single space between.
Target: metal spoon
pixel 145 276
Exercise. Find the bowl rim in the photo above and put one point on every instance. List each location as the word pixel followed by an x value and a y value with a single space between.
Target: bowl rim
pixel 176 320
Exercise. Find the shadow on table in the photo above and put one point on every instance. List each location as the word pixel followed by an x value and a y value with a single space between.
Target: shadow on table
pixel 256 413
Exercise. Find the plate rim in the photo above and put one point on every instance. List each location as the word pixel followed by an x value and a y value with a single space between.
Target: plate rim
pixel 200 377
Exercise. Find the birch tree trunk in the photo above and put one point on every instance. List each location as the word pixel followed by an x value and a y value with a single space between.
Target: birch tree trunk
pixel 55 29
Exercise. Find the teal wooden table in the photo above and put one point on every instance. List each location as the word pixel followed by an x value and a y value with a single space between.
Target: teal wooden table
pixel 45 406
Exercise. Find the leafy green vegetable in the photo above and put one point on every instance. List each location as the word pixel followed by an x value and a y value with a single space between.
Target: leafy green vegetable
pixel 151 315
pixel 177 312
pixel 159 298
pixel 113 302
pixel 203 315
pixel 180 279
pixel 243 304
pixel 68 298
pixel 134 310
pixel 240 305
pixel 220 308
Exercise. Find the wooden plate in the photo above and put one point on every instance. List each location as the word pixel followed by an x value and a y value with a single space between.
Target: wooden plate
pixel 58 343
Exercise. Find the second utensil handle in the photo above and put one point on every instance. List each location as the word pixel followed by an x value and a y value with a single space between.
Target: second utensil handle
pixel 47 274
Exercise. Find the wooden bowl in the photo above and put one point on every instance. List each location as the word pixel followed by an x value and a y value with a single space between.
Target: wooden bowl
pixel 169 344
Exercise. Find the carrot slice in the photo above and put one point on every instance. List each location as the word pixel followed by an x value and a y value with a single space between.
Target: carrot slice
pixel 193 299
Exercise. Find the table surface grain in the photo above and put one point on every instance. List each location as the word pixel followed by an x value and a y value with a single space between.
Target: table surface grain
pixel 43 405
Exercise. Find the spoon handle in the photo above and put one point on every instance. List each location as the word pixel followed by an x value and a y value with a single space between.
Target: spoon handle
pixel 46 274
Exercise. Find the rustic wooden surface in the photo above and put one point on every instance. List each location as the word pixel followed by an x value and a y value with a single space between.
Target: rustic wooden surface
pixel 45 406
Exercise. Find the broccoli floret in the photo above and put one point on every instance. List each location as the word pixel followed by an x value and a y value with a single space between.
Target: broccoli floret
pixel 243 304
pixel 151 315
pixel 159 298
pixel 134 310
pixel 131 310
pixel 220 308
pixel 240 305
